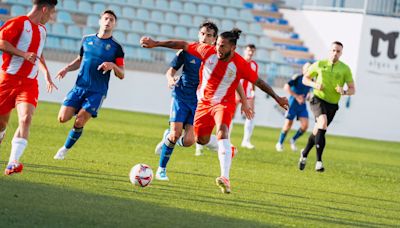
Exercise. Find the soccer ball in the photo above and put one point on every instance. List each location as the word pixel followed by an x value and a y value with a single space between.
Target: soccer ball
pixel 141 175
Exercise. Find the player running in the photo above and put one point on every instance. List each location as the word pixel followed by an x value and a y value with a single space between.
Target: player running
pixel 22 40
pixel 297 109
pixel 220 73
pixel 99 54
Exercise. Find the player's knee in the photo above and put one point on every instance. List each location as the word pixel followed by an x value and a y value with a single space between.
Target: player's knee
pixel 63 118
pixel 202 141
pixel 189 141
pixel 174 136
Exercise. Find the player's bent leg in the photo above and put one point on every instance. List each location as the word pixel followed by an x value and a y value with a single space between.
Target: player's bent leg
pixel 66 113
pixel 187 139
pixel 157 150
pixel 286 127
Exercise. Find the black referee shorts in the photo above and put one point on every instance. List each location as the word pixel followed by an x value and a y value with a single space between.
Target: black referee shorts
pixel 319 107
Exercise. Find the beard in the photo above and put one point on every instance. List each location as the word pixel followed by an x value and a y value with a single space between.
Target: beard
pixel 225 56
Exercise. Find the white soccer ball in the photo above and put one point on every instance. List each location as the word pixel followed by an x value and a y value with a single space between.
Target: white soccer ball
pixel 141 175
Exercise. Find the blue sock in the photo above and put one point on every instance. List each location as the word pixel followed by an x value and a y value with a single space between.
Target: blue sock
pixel 282 137
pixel 298 134
pixel 73 136
pixel 166 151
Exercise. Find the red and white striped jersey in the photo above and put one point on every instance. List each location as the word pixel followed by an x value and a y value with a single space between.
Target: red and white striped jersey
pixel 219 79
pixel 27 37
pixel 248 86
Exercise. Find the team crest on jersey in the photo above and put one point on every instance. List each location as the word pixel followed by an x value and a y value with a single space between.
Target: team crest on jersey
pixel 193 61
pixel 108 46
pixel 230 73
pixel 90 43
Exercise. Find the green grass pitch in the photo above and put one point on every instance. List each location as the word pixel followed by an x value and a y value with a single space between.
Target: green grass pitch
pixel 91 187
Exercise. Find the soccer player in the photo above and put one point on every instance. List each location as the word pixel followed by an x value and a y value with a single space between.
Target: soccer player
pixel 99 54
pixel 297 109
pixel 21 41
pixel 331 76
pixel 220 73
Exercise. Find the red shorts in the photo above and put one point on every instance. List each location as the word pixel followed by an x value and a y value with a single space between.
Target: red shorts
pixel 206 117
pixel 15 90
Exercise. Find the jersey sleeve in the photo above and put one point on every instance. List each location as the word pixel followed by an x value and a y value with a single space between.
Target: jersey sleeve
pixel 81 51
pixel 247 72
pixel 177 62
pixel 120 56
pixel 348 77
pixel 11 30
pixel 199 50
pixel 313 70
pixel 292 82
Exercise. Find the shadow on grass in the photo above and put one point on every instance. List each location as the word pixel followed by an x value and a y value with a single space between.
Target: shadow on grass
pixel 31 204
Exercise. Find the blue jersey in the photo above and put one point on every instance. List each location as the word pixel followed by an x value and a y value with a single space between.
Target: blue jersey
pixel 297 86
pixel 186 87
pixel 94 51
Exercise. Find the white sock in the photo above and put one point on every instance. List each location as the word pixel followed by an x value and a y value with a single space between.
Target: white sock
pixel 225 156
pixel 199 146
pixel 230 129
pixel 17 148
pixel 248 130
pixel 213 143
pixel 180 141
pixel 2 134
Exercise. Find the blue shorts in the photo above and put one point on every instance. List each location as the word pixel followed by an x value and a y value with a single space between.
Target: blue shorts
pixel 182 112
pixel 299 112
pixel 82 99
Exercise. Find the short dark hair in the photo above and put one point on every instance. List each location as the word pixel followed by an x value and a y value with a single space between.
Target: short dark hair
pixel 109 12
pixel 337 43
pixel 232 35
pixel 252 46
pixel 210 25
pixel 45 2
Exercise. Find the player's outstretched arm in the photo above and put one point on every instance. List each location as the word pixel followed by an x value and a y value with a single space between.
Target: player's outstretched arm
pixel 119 71
pixel 282 101
pixel 49 83
pixel 299 98
pixel 309 82
pixel 74 65
pixel 148 42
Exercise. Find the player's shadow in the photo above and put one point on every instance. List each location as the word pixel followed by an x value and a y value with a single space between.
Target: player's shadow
pixel 25 203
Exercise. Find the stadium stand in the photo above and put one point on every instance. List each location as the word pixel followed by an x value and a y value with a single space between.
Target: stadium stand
pixel 168 19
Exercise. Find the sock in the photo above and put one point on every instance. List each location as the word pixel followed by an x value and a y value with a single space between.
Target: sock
pixel 309 146
pixel 320 143
pixel 298 134
pixel 18 146
pixel 73 136
pixel 199 146
pixel 248 130
pixel 2 134
pixel 282 137
pixel 213 143
pixel 180 141
pixel 230 129
pixel 225 156
pixel 166 151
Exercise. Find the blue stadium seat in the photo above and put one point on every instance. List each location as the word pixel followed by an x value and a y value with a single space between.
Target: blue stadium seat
pixel 242 25
pixel 64 17
pixel 218 10
pixel 133 38
pixel 169 55
pixel 70 5
pixel 98 8
pixel 130 52
pixel 175 5
pixel 265 42
pixel 171 17
pixel 144 54
pixel 223 2
pixel 157 16
pixel 119 36
pixel 123 24
pixel 242 40
pixel 128 12
pixel 232 13
pixel 148 3
pixel 181 32
pixel 17 10
pixel 92 21
pixel 193 33
pixel 142 14
pixel 255 28
pixel 250 39
pixel 53 42
pixel 88 30
pixel 197 20
pixel 185 19
pixel 227 25
pixel 59 29
pixel 133 2
pixel 137 26
pixel 167 30
pixel 75 31
pixel 69 45
pixel 162 4
pixel 84 6
pixel 262 53
pixel 189 7
pixel 116 8
pixel 152 28
pixel 4 11
pixel 235 3
pixel 246 14
pixel 204 9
